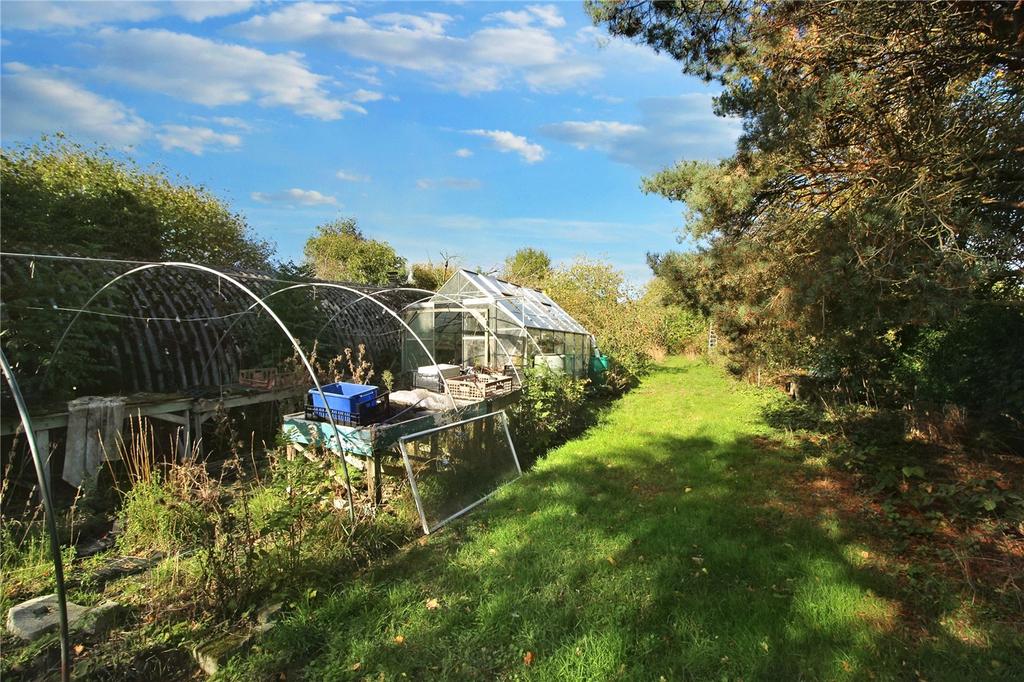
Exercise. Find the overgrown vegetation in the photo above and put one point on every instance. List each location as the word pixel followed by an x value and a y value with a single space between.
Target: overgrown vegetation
pixel 551 409
pixel 225 538
pixel 63 198
pixel 631 327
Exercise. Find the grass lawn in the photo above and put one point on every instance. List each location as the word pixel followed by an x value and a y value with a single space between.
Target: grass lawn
pixel 669 542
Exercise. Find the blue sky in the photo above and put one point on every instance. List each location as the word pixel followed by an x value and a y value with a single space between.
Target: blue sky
pixel 469 128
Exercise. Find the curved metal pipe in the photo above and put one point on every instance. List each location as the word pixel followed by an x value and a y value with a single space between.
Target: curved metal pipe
pixel 258 301
pixel 362 296
pixel 51 519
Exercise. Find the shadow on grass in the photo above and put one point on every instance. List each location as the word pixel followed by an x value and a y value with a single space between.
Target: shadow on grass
pixel 666 559
pixel 952 506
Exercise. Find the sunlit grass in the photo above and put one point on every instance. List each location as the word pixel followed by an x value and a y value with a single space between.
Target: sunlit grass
pixel 655 546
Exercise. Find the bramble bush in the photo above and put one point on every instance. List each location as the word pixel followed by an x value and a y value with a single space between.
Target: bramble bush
pixel 551 409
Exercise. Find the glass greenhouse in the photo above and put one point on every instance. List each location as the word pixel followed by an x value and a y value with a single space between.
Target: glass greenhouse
pixel 485 322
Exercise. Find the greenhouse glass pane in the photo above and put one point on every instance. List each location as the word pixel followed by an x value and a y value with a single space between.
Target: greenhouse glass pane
pixel 454 468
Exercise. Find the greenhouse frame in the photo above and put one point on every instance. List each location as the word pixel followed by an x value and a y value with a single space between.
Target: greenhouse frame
pixel 485 322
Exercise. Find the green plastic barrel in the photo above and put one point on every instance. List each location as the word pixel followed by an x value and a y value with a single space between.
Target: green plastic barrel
pixel 598 368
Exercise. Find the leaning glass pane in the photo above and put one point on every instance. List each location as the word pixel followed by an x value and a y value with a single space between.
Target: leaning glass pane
pixel 453 468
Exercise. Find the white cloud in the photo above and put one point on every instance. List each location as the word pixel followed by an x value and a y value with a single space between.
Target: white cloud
pixel 195 139
pixel 669 128
pixel 233 122
pixel 214 74
pixel 547 15
pixel 45 15
pixel 368 76
pixel 349 176
pixel 561 75
pixel 512 17
pixel 35 102
pixel 586 134
pixel 505 141
pixel 198 10
pixel 362 95
pixel 295 196
pixel 448 183
pixel 463 153
pixel 483 61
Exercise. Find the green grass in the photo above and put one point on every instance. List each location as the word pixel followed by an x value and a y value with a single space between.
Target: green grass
pixel 657 546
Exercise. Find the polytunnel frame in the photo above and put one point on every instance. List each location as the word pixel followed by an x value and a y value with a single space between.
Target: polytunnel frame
pixel 48 512
pixel 332 285
pixel 258 301
pixel 430 294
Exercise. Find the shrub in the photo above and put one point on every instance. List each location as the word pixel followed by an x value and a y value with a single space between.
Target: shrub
pixel 550 410
pixel 159 516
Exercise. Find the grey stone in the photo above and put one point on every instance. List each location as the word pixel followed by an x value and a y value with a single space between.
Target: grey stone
pixel 269 613
pixel 266 618
pixel 99 620
pixel 89 549
pixel 121 567
pixel 34 618
pixel 215 652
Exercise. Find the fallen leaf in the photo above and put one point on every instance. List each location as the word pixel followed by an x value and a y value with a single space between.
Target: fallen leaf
pixel 399 639
pixel 528 658
pixel 79 648
pixel 492 551
pixel 611 561
pixel 433 604
pixel 687 490
pixel 357 665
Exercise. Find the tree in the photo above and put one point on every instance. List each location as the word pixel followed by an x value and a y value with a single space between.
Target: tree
pixel 339 251
pixel 876 189
pixel 431 275
pixel 60 197
pixel 596 295
pixel 527 267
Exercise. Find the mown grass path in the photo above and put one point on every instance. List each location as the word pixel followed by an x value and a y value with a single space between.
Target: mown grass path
pixel 653 547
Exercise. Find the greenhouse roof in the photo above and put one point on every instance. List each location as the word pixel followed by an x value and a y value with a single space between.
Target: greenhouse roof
pixel 531 308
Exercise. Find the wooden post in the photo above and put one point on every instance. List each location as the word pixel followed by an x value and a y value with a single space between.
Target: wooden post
pixel 185 437
pixel 374 480
pixel 43 446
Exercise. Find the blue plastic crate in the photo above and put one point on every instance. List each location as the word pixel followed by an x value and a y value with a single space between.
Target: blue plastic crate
pixel 365 413
pixel 343 397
